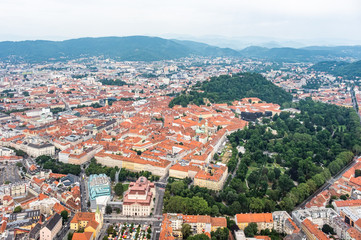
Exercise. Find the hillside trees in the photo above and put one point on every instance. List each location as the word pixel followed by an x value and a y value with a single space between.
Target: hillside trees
pixel 226 88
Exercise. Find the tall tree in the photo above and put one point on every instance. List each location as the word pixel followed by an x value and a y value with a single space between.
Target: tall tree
pixel 186 230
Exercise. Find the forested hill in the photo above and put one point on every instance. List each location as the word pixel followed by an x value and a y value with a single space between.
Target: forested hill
pixel 343 69
pixel 229 88
pixel 133 48
pixel 308 54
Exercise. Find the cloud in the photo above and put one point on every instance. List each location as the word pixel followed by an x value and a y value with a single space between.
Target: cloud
pixel 292 19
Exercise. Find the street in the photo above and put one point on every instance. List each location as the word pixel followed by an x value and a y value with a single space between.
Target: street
pixel 158 206
pixel 9 173
pixel 84 188
pixel 103 231
pixel 64 229
pixel 327 184
pixel 84 193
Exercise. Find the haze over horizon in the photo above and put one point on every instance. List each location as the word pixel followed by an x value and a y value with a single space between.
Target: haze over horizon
pixel 326 22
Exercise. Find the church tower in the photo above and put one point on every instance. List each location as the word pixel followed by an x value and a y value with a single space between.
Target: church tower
pixel 99 217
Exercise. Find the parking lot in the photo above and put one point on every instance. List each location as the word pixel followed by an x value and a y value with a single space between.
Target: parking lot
pixel 129 231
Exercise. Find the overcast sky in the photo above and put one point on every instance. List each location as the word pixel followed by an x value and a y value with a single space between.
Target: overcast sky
pixel 284 19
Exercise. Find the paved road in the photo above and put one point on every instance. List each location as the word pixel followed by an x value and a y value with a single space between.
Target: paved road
pixel 64 229
pixel 354 101
pixel 235 170
pixel 10 173
pixel 67 107
pixel 102 232
pixel 156 230
pixel 158 206
pixel 84 193
pixel 2 174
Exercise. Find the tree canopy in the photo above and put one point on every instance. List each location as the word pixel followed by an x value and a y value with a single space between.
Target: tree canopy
pixel 227 88
pixel 280 168
pixel 343 69
pixel 118 189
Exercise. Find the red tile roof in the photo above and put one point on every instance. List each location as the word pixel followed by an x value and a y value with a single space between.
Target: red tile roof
pixel 312 228
pixel 254 217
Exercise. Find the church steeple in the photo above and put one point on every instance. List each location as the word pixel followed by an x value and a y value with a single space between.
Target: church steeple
pixel 99 216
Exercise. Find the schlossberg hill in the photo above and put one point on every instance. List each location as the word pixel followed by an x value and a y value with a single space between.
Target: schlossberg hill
pixel 227 88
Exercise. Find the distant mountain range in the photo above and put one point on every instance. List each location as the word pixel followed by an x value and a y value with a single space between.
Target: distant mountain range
pixel 133 48
pixel 143 48
pixel 310 54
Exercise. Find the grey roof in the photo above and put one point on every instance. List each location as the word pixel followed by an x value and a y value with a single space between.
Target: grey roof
pixel 20 223
pixel 28 213
pixel 108 123
pixel 35 231
pixel 40 145
pixel 53 221
pixel 69 179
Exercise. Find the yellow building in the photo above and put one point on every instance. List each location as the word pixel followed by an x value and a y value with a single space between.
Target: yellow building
pixel 213 177
pixel 312 232
pixel 263 220
pixel 136 164
pixel 182 171
pixel 90 222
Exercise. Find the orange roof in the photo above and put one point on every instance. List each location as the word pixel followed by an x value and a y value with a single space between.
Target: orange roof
pixel 7 198
pixel 42 196
pixel 59 208
pixel 254 217
pixel 215 176
pixel 296 229
pixel 354 233
pixel 83 216
pixel 348 203
pixel 94 224
pixel 356 181
pixel 219 222
pixel 349 173
pixel 28 201
pixel 160 163
pixel 190 167
pixel 3 226
pixel 82 236
pixel 358 223
pixel 312 228
pixel 262 237
pixel 38 181
pixel 56 175
pixel 166 231
pixel 32 168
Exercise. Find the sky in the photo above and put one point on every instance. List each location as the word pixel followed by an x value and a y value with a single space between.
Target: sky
pixel 326 20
